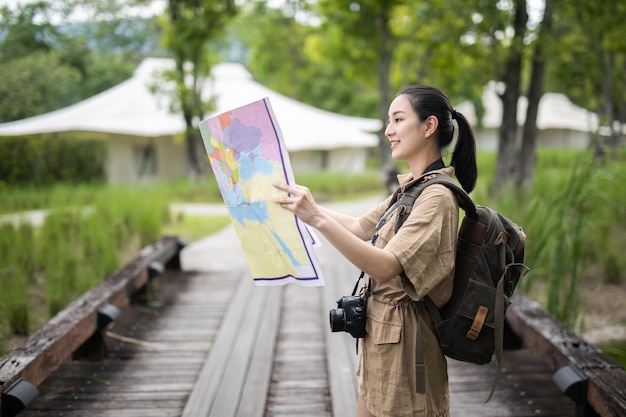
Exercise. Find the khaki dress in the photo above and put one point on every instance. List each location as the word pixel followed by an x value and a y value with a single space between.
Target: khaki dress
pixel 425 246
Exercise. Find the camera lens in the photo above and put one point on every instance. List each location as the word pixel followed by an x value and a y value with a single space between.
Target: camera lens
pixel 337 320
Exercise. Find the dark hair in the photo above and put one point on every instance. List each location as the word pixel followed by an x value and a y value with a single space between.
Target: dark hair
pixel 430 101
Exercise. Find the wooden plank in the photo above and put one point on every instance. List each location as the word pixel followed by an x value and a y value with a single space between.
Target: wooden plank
pixel 606 391
pixel 235 368
pixel 144 372
pixel 254 395
pixel 202 395
pixel 138 412
pixel 525 388
pixel 341 347
pixel 247 334
pixel 45 350
pixel 299 378
pixel 559 346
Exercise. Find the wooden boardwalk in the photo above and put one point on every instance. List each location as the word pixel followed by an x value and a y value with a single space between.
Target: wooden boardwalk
pixel 211 344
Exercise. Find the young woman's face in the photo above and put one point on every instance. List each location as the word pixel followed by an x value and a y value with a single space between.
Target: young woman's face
pixel 404 130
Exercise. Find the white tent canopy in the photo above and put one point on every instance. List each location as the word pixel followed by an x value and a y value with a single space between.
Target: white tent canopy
pixel 560 122
pixel 132 109
pixel 555 111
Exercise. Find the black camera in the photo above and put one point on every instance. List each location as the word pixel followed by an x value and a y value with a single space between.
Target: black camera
pixel 349 316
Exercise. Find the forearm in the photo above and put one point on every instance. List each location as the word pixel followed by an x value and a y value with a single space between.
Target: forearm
pixel 343 232
pixel 380 264
pixel 349 223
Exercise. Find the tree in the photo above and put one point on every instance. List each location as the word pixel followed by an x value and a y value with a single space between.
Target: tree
pixel 35 77
pixel 27 30
pixel 305 66
pixel 440 43
pixel 528 156
pixel 589 65
pixel 49 61
pixel 35 84
pixel 188 28
pixel 506 161
pixel 364 44
pixel 262 28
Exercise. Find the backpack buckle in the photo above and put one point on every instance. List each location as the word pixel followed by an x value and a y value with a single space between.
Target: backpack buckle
pixel 477 325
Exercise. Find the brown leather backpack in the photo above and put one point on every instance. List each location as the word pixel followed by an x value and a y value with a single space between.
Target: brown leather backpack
pixel 489 264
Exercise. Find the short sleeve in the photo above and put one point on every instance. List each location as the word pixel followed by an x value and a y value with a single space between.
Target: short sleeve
pixel 425 244
pixel 369 220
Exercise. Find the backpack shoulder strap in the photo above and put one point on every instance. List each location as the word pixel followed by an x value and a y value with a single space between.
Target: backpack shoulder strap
pixel 408 197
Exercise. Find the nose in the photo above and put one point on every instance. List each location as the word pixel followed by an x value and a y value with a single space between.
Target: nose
pixel 388 130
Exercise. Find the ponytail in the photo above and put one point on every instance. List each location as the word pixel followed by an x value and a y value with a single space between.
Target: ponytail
pixel 464 154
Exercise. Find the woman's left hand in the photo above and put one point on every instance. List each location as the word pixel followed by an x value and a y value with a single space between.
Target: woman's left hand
pixel 300 201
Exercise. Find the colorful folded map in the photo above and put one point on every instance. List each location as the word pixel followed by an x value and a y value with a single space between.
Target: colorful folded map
pixel 247 154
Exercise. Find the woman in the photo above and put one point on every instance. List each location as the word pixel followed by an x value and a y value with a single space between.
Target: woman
pixel 403 267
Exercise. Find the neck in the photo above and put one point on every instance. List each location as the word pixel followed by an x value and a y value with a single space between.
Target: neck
pixel 419 165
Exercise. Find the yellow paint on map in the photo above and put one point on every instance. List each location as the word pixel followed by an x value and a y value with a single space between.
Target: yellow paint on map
pixel 265 255
pixel 226 156
pixel 230 161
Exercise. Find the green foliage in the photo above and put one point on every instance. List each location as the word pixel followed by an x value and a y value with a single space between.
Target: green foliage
pixel 46 66
pixel 336 186
pixel 16 272
pixel 189 27
pixel 616 350
pixel 588 53
pixel 82 240
pixel 448 44
pixel 35 84
pixel 575 226
pixel 193 191
pixel 46 160
pixel 81 247
pixel 574 220
pixel 575 223
pixel 193 228
pixel 27 30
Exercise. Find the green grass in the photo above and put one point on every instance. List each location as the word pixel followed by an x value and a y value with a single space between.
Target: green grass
pixel 615 350
pixel 192 228
pixel 575 221
pixel 92 230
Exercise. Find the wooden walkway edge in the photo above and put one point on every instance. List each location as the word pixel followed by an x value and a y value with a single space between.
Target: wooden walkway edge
pixel 45 350
pixel 209 343
pixel 558 347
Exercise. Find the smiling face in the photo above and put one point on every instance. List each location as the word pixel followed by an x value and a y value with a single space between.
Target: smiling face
pixel 404 130
pixel 411 139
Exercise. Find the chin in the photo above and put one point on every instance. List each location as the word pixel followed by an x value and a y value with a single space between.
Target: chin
pixel 396 155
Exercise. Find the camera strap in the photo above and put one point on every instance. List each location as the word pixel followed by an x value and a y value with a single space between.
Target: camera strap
pixel 356 286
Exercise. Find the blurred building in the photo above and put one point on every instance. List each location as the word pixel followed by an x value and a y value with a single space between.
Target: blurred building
pixel 145 136
pixel 560 123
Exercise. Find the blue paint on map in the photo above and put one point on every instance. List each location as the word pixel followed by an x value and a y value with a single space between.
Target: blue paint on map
pixel 286 249
pixel 255 211
pixel 253 166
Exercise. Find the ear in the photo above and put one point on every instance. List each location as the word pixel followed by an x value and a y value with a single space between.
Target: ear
pixel 431 123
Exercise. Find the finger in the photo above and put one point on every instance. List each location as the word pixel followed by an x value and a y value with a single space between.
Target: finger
pixel 282 186
pixel 283 200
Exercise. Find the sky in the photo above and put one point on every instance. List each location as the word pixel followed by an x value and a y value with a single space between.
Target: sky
pixel 152 7
pixel 535 7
